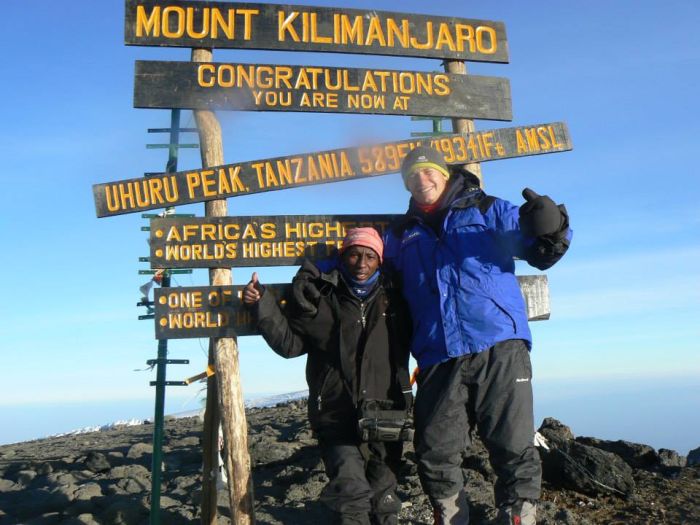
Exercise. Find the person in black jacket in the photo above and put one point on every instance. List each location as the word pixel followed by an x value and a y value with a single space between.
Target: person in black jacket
pixel 357 346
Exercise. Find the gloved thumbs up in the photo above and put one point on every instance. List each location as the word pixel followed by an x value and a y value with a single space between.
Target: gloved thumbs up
pixel 529 194
pixel 253 290
pixel 539 215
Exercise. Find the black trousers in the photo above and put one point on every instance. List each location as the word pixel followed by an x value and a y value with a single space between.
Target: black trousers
pixel 491 391
pixel 362 482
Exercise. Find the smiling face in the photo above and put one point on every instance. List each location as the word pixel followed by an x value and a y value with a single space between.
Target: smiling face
pixel 360 262
pixel 426 185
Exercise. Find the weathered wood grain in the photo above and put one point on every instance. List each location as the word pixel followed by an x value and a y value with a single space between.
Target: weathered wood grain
pixel 274 87
pixel 277 173
pixel 277 240
pixel 307 28
pixel 222 313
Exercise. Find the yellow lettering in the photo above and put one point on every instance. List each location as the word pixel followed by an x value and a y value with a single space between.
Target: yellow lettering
pixel 351 33
pixel 465 33
pixel 179 22
pixel 375 32
pixel 147 25
pixel 189 17
pixel 520 142
pixel 532 142
pixel 202 70
pixel 401 33
pixel 218 22
pixel 428 38
pixel 247 22
pixel 314 32
pixel 445 38
pixel 286 25
pixel 482 31
pixel 193 181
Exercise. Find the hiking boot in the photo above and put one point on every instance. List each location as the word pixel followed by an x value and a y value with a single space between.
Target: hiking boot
pixel 522 512
pixel 451 511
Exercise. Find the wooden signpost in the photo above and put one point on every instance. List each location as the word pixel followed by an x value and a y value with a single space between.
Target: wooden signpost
pixel 219 242
pixel 218 311
pixel 306 28
pixel 292 171
pixel 252 241
pixel 271 87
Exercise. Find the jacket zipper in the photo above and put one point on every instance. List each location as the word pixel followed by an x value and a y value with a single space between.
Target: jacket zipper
pixel 362 314
pixel 320 390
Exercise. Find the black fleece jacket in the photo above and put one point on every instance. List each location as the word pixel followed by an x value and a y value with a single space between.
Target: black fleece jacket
pixel 357 350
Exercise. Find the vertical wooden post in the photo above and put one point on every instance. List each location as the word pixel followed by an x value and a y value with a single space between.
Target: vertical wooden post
pixel 232 409
pixel 210 447
pixel 463 125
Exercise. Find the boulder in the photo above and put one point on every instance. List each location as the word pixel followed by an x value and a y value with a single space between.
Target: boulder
pixel 139 450
pixel 693 457
pixel 634 454
pixel 671 458
pixel 555 432
pixel 580 467
pixel 587 470
pixel 97 462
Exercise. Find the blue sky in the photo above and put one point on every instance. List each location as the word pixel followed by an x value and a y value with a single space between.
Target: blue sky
pixel 622 340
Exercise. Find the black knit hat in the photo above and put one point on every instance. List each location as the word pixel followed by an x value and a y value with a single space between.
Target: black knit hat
pixel 423 157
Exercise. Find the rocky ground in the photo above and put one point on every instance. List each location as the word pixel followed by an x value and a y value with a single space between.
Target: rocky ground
pixel 104 478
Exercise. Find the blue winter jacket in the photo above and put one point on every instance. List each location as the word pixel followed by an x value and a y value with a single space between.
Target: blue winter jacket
pixel 460 286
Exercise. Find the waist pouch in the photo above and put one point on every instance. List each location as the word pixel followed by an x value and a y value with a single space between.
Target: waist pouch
pixel 378 422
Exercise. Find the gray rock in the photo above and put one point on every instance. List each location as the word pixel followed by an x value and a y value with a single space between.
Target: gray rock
pixel 97 462
pixel 693 457
pixel 61 478
pixel 139 450
pixel 671 458
pixel 188 442
pixel 133 486
pixel 635 454
pixel 167 502
pixel 25 477
pixel 44 469
pixel 125 512
pixel 556 433
pixel 130 471
pixel 7 485
pixel 87 491
pixel 266 451
pixel 587 470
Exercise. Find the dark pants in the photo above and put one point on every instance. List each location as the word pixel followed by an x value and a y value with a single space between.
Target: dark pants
pixel 362 485
pixel 492 391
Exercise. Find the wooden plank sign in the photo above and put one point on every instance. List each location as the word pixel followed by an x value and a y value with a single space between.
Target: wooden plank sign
pixel 277 173
pixel 217 311
pixel 201 311
pixel 282 240
pixel 263 87
pixel 305 28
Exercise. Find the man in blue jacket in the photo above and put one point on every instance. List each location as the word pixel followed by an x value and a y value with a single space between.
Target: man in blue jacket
pixel 452 254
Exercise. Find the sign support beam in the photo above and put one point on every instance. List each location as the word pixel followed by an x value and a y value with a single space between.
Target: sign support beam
pixel 463 125
pixel 225 350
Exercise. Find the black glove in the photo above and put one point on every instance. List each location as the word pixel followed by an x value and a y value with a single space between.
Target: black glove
pixel 540 215
pixel 304 290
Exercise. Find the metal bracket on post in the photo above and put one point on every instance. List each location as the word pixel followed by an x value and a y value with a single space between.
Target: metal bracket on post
pixel 168 361
pixel 153 272
pixel 437 127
